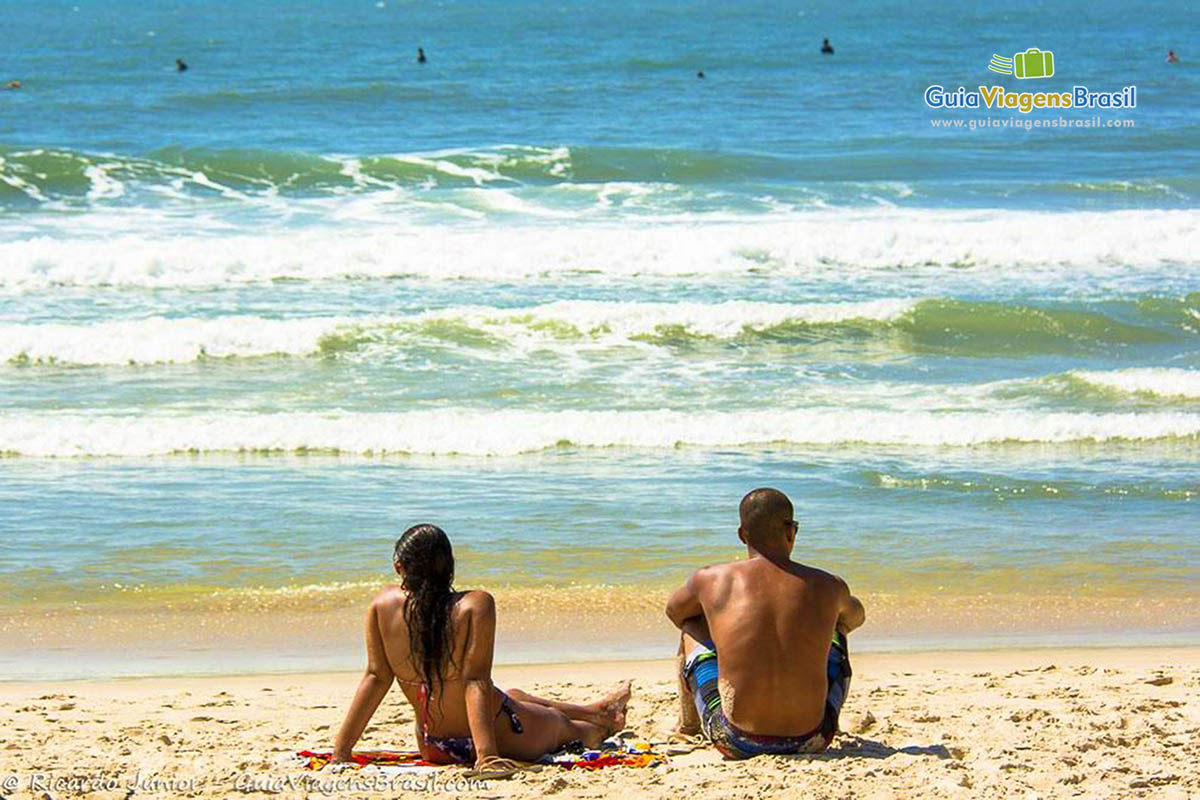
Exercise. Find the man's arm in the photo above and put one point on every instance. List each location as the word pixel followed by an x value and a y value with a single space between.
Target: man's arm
pixel 371 690
pixel 686 613
pixel 851 614
pixel 477 674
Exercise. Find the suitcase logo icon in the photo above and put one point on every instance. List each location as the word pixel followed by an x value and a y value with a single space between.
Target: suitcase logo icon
pixel 1033 63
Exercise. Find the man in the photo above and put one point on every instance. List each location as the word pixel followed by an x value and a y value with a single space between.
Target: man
pixel 779 629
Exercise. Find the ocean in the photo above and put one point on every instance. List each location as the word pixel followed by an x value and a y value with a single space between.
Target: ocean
pixel 557 293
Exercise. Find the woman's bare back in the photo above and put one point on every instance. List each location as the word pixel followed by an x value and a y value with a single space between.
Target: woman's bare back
pixel 443 711
pixel 520 725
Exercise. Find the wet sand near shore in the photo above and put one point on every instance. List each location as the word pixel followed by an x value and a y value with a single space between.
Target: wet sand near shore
pixel 304 632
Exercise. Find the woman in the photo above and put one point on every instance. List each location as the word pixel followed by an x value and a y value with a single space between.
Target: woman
pixel 438 643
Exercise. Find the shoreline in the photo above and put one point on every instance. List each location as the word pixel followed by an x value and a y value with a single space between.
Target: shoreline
pixel 539 626
pixel 993 657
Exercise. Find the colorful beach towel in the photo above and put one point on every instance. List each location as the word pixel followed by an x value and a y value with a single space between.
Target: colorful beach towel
pixel 611 753
pixel 367 758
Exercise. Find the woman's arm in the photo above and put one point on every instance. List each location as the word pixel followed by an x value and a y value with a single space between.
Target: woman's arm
pixel 477 674
pixel 371 690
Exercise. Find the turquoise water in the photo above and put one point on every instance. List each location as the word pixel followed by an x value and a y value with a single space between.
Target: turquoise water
pixel 556 292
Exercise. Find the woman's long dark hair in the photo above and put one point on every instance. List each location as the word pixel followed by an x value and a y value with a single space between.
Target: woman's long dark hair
pixel 424 553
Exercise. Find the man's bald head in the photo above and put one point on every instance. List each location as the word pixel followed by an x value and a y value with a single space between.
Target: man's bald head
pixel 763 514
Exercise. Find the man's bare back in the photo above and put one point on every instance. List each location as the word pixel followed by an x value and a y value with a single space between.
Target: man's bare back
pixel 771 622
pixel 772 625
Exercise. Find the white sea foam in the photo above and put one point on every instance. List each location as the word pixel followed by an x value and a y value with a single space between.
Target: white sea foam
pixel 512 432
pixel 1159 381
pixel 619 321
pixel 103 185
pixel 871 245
pixel 161 340
pixel 23 186
pixel 475 174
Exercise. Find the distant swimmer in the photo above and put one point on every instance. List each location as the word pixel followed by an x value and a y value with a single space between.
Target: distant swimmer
pixel 180 66
pixel 421 55
pixel 1172 58
pixel 826 48
pixel 700 74
pixel 12 85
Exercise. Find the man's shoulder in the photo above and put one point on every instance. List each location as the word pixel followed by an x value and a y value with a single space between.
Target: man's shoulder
pixel 715 572
pixel 821 578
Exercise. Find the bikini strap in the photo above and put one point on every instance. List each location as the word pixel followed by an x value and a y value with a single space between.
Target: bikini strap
pixel 507 707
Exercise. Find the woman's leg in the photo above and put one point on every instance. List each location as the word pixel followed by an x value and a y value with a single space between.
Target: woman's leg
pixel 543 730
pixel 608 711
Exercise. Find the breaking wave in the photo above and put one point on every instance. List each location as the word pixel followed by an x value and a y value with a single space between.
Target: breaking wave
pixel 507 433
pixel 904 324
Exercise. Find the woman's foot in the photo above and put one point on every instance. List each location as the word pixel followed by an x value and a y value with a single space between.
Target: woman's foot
pixel 604 717
pixel 609 711
pixel 613 707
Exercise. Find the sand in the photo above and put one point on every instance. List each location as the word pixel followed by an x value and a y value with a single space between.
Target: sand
pixel 1046 723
